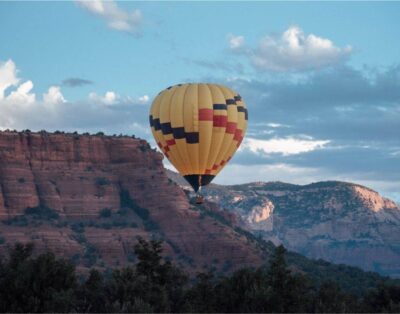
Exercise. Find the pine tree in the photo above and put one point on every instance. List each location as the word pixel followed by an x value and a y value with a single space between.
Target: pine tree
pixel 278 278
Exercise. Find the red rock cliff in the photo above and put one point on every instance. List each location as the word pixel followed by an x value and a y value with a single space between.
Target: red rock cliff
pixel 79 177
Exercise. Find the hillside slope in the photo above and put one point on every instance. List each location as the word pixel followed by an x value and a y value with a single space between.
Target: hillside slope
pixel 335 221
pixel 89 197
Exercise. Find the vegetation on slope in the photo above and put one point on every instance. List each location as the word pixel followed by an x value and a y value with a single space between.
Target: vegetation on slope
pixel 153 284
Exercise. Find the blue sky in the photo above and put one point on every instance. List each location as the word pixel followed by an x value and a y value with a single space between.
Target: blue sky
pixel 321 79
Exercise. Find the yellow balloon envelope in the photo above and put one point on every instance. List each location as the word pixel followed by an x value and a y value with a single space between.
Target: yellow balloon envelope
pixel 198 127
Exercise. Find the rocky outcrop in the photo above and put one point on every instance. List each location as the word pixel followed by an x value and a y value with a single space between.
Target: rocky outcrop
pixel 335 221
pixel 88 197
pixel 74 175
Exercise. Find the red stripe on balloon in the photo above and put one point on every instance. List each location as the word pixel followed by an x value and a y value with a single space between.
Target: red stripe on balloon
pixel 238 135
pixel 220 121
pixel 231 127
pixel 240 141
pixel 206 114
pixel 171 142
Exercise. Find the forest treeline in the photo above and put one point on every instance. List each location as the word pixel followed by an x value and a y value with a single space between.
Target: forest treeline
pixel 154 284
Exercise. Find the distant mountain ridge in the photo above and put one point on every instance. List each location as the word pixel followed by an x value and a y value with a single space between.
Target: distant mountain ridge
pixel 337 221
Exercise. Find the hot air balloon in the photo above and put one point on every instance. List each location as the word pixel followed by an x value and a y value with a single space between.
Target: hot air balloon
pixel 198 127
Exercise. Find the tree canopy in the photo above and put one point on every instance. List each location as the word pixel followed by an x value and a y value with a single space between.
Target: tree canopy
pixel 45 283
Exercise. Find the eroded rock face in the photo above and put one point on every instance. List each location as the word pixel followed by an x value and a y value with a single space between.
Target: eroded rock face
pixel 93 195
pixel 336 221
pixel 373 200
pixel 74 175
pixel 261 217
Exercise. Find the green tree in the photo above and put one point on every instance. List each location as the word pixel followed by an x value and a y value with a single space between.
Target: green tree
pixel 384 299
pixel 39 284
pixel 153 285
pixel 201 298
pixel 91 293
pixel 278 279
pixel 126 292
pixel 163 281
pixel 330 299
pixel 245 291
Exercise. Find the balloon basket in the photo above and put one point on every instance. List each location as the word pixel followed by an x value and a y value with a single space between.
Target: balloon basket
pixel 199 199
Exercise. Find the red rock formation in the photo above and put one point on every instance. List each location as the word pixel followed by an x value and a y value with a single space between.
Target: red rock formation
pixel 78 176
pixel 335 221
pixel 74 175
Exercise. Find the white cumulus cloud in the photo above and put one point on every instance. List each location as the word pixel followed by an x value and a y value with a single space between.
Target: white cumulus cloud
pixel 109 98
pixel 112 98
pixel 53 96
pixel 144 99
pixel 21 109
pixel 22 94
pixel 116 17
pixel 293 50
pixel 285 146
pixel 8 76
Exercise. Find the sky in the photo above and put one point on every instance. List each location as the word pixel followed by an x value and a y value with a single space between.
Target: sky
pixel 321 80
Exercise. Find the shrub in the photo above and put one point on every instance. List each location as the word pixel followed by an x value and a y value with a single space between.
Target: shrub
pixel 101 181
pixel 106 225
pixel 41 212
pixel 80 238
pixel 19 221
pixel 78 227
pixel 91 255
pixel 105 213
pixel 123 211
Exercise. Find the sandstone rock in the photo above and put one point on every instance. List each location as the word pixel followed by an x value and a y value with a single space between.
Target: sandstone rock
pixel 336 221
pixel 77 177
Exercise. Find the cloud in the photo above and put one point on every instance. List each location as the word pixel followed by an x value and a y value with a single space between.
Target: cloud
pixel 109 98
pixel 22 94
pixel 53 96
pixel 369 105
pixel 273 125
pixel 8 79
pixel 111 113
pixel 143 99
pixel 75 82
pixel 112 98
pixel 284 146
pixel 357 110
pixel 291 51
pixel 8 76
pixel 238 174
pixel 235 42
pixel 117 18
